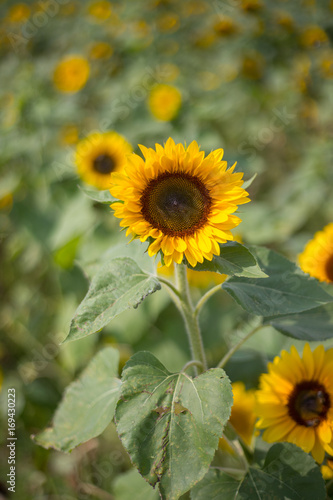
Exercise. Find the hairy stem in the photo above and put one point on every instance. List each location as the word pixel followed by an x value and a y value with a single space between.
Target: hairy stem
pixel 191 321
pixel 235 348
pixel 205 297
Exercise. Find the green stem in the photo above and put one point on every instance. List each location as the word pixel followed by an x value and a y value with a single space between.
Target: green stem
pixel 205 297
pixel 169 285
pixel 190 364
pixel 191 321
pixel 232 351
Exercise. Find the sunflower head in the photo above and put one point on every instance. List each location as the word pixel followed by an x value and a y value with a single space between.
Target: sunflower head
pixel 182 202
pixel 98 155
pixel 71 74
pixel 317 257
pixel 295 400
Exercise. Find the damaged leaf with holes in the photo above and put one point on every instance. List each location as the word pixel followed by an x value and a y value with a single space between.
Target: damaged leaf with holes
pixel 169 423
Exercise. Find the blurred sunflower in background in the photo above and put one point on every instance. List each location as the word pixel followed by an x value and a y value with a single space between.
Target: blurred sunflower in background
pixel 164 102
pixel 317 256
pixel 71 74
pixel 100 154
pixel 179 200
pixel 242 416
pixel 295 400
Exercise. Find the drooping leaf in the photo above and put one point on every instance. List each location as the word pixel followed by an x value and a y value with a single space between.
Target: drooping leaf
pixel 169 423
pixel 288 473
pixel 88 404
pixel 100 196
pixel 118 285
pixel 286 290
pixel 235 260
pixel 313 325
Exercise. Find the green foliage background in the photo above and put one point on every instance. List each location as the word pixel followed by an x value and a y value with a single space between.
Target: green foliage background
pixel 260 93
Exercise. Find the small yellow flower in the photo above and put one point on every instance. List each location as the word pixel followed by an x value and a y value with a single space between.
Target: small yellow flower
pixel 19 13
pixel 295 400
pixel 164 102
pixel 100 10
pixel 100 50
pixel 317 257
pixel 98 155
pixel 313 36
pixel 179 200
pixel 71 74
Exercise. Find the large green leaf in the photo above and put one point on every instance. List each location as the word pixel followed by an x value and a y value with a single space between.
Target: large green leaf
pixel 235 260
pixel 100 196
pixel 286 290
pixel 315 324
pixel 288 473
pixel 170 423
pixel 118 285
pixel 88 404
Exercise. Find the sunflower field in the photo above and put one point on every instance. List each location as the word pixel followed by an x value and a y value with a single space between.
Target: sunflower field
pixel 166 248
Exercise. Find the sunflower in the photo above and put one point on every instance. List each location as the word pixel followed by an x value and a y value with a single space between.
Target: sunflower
pixel 180 200
pixel 164 102
pixel 100 154
pixel 71 74
pixel 295 400
pixel 317 257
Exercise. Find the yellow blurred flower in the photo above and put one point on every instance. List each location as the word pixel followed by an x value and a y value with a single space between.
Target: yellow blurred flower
pixel 242 416
pixel 6 201
pixel 313 36
pixel 69 134
pixel 285 20
pixel 295 400
pixel 326 64
pixel 100 10
pixel 252 66
pixel 164 102
pixel 100 154
pixel 168 23
pixel 71 74
pixel 251 5
pixel 317 256
pixel 168 72
pixel 100 50
pixel 226 27
pixel 19 13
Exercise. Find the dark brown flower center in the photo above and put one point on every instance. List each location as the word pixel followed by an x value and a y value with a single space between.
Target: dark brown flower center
pixel 103 164
pixel 309 403
pixel 176 203
pixel 329 268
